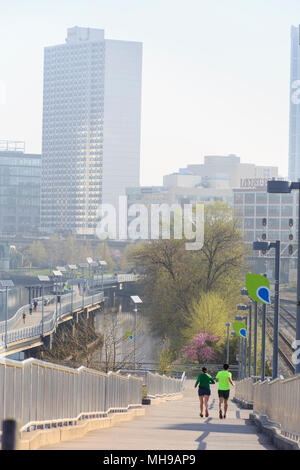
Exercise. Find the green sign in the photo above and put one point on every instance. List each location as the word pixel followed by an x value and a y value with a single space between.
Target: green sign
pixel 128 335
pixel 258 288
pixel 239 328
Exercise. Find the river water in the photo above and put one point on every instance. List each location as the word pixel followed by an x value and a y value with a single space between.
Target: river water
pixel 17 296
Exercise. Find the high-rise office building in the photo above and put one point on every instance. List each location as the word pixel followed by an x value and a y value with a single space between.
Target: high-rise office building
pixel 294 140
pixel 91 127
pixel 20 179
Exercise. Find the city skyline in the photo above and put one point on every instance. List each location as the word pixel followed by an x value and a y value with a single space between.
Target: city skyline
pixel 198 98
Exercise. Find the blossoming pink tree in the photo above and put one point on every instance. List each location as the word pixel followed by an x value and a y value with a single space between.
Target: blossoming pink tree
pixel 200 348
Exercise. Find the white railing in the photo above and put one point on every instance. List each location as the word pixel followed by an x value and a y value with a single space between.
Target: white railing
pixel 278 399
pixel 161 385
pixel 37 393
pixel 50 319
pixel 244 390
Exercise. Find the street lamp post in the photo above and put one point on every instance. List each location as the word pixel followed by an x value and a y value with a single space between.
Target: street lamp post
pixel 6 284
pixel 136 300
pixel 241 350
pixel 255 339
pixel 247 307
pixel 227 355
pixel 285 187
pixel 43 279
pixel 57 275
pixel 72 268
pixel 258 246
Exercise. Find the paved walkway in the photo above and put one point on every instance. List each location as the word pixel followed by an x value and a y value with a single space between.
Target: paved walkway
pixel 177 425
pixel 36 317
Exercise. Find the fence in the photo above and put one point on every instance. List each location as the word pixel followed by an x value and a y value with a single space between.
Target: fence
pixel 277 399
pixel 161 385
pixel 244 390
pixel 50 320
pixel 41 394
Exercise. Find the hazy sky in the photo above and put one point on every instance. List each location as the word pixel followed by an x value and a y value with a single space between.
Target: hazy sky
pixel 215 73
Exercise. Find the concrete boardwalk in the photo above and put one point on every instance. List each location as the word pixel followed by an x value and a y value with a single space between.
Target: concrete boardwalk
pixel 176 425
pixel 36 317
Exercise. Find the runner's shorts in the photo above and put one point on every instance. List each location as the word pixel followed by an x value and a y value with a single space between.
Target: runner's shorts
pixel 203 391
pixel 224 394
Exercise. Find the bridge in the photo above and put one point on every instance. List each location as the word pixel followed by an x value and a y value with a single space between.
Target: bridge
pixel 121 411
pixel 17 335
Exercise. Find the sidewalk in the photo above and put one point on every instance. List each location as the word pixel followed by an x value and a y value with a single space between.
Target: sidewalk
pixel 36 317
pixel 176 425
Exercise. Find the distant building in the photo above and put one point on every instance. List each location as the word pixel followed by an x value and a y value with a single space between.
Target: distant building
pixel 219 172
pixel 91 127
pixel 294 139
pixel 20 179
pixel 252 204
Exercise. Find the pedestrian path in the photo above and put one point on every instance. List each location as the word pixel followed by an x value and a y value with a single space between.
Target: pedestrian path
pixel 36 317
pixel 176 425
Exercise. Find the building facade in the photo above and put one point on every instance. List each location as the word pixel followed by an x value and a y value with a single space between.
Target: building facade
pixel 20 180
pixel 91 128
pixel 265 216
pixel 294 137
pixel 219 171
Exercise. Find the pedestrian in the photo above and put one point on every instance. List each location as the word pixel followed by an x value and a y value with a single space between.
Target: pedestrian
pixel 224 379
pixel 35 304
pixel 30 309
pixel 24 317
pixel 204 380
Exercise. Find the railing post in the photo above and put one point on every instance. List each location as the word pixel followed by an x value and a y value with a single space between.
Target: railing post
pixel 9 434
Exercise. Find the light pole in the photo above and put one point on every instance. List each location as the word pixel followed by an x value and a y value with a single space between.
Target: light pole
pixel 43 279
pixel 102 265
pixel 255 339
pixel 241 358
pixel 265 246
pixel 6 284
pixel 247 307
pixel 245 292
pixel 228 325
pixel 286 187
pixel 72 268
pixel 136 300
pixel 57 275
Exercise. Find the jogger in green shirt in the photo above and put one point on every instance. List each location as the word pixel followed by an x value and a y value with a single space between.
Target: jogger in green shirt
pixel 224 379
pixel 204 380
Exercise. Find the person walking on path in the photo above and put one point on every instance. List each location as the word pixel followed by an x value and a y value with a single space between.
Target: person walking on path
pixel 224 379
pixel 204 381
pixel 24 317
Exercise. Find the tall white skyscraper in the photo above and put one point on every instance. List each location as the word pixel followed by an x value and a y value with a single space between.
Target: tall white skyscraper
pixel 294 140
pixel 91 127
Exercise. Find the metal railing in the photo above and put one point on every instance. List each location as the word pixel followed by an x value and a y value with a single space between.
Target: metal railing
pixel 50 319
pixel 41 394
pixel 244 390
pixel 277 399
pixel 161 385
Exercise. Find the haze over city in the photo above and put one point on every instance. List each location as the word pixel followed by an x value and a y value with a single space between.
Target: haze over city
pixel 149 228
pixel 215 74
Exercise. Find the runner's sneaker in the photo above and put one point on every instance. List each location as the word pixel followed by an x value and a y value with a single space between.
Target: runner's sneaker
pixel 220 414
pixel 206 414
pixel 201 415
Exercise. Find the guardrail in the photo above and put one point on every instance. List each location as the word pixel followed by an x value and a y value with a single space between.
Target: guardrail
pixel 277 399
pixel 161 385
pixel 50 319
pixel 45 395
